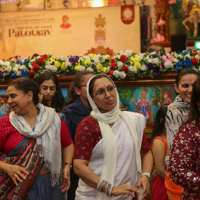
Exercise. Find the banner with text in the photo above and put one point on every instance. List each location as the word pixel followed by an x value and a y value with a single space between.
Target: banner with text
pixel 69 32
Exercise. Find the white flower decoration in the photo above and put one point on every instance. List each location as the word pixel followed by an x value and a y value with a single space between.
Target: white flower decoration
pixel 144 68
pixel 47 67
pixel 89 69
pixel 18 73
pixel 86 57
pixel 122 75
pixel 187 56
pixel 132 69
pixel 62 58
pixel 53 68
pixel 8 68
pixel 119 64
pixel 116 73
pixel 168 64
pixel 155 60
pixel 22 67
pixel 128 52
pixel 82 68
pixel 175 60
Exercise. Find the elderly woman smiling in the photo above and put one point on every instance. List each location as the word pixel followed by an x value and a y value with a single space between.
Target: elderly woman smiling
pixel 108 147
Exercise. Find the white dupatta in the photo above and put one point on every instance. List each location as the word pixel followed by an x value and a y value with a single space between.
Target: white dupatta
pixel 109 141
pixel 47 134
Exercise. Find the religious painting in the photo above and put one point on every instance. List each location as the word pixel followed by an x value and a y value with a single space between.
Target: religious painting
pixel 100 37
pixel 146 100
pixel 69 32
pixel 4 107
pixel 65 24
pixel 184 18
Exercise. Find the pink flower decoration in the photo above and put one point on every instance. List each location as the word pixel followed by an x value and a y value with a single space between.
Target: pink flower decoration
pixel 161 22
pixel 160 67
pixel 164 57
pixel 159 38
pixel 14 59
pixel 172 2
pixel 20 58
pixel 167 60
pixel 170 57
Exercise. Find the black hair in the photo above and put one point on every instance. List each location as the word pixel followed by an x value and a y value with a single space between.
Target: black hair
pixel 159 126
pixel 194 113
pixel 26 85
pixel 184 72
pixel 156 47
pixel 78 78
pixel 58 100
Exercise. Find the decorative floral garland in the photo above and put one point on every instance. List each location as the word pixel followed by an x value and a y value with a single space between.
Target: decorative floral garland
pixel 124 64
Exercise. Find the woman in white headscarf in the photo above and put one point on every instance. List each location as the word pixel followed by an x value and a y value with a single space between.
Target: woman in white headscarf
pixel 110 147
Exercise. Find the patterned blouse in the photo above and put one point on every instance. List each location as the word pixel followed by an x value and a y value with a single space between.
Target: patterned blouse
pixel 88 134
pixel 10 138
pixel 184 162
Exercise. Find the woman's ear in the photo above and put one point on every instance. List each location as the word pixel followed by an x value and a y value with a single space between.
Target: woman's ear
pixel 176 87
pixel 161 120
pixel 30 94
pixel 77 90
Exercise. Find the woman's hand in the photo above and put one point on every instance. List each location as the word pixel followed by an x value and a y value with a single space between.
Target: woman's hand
pixel 144 183
pixel 66 179
pixel 40 97
pixel 16 172
pixel 124 189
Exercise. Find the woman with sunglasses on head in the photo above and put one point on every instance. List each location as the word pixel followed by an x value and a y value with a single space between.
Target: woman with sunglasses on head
pixel 51 96
pixel 177 113
pixel 30 146
pixel 77 108
pixel 184 159
pixel 112 156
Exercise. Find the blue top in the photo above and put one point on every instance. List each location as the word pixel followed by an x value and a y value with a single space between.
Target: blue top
pixel 75 113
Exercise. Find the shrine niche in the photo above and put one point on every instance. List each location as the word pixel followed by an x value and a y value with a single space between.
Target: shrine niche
pixel 177 17
pixel 162 19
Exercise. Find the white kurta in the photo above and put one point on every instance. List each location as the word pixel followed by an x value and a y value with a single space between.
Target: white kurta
pixel 125 171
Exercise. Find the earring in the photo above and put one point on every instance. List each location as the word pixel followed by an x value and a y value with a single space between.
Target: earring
pixel 29 100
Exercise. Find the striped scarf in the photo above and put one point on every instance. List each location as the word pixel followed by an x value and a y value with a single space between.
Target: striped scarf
pixel 177 113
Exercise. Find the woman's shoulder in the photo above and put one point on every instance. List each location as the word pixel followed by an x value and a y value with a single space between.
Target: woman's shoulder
pixel 134 115
pixel 159 138
pixel 89 120
pixel 5 121
pixel 190 127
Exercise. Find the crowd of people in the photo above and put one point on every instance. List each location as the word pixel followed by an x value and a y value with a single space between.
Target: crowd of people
pixel 87 148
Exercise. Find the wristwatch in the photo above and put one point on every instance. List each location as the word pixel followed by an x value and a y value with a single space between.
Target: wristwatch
pixel 146 174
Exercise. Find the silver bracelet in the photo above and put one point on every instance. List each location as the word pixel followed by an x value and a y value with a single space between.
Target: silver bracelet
pixel 109 190
pixel 100 185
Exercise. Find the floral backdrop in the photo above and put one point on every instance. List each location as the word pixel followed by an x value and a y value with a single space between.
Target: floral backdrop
pixel 124 64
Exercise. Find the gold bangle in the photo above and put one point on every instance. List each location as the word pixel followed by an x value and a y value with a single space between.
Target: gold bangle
pixel 68 164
